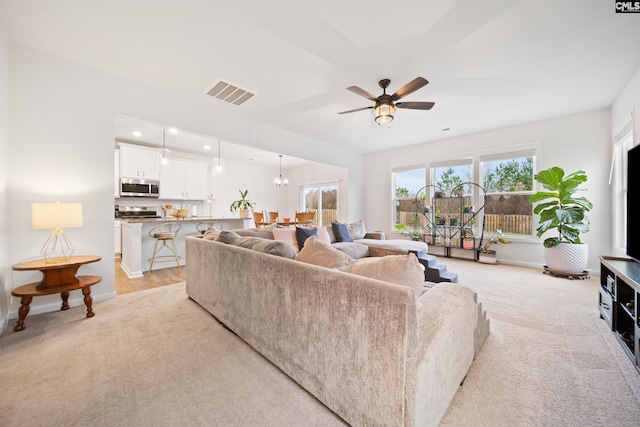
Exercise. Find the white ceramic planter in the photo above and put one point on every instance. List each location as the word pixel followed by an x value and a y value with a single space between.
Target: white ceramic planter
pixel 567 258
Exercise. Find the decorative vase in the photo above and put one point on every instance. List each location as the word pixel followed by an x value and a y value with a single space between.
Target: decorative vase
pixel 567 258
pixel 244 213
pixel 467 243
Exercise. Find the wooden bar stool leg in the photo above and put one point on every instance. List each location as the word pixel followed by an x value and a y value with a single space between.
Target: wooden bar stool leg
pixel 175 253
pixel 153 257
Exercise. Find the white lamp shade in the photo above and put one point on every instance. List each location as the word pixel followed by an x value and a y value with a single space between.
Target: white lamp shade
pixel 56 215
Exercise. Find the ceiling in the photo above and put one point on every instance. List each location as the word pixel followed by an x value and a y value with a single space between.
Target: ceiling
pixel 490 64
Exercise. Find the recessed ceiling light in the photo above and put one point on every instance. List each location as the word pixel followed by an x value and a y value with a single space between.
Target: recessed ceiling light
pixel 207 147
pixel 137 133
pixel 173 131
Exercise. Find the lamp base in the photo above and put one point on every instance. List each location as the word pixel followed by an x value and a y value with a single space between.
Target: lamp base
pixel 57 248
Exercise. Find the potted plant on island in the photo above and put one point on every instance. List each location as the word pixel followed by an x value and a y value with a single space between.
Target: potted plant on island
pixel 563 212
pixel 486 255
pixel 243 205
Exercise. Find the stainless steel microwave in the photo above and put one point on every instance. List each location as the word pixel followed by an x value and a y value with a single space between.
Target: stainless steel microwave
pixel 139 187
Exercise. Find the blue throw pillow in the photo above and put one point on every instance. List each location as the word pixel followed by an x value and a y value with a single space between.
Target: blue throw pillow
pixel 302 234
pixel 341 231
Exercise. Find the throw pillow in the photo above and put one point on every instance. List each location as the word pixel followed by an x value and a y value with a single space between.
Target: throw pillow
pixel 403 270
pixel 317 252
pixel 302 234
pixel 323 234
pixel 356 229
pixel 211 234
pixel 332 237
pixel 341 232
pixel 287 235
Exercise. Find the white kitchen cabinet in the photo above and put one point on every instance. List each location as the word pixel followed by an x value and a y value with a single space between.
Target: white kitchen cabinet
pixel 139 162
pixel 184 180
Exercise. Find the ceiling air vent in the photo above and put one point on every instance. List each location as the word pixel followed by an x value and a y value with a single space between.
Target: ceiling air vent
pixel 229 93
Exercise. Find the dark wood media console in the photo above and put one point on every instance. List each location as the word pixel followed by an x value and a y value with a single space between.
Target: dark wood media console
pixel 618 302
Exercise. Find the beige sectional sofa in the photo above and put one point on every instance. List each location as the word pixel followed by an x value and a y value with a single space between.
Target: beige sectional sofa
pixel 374 352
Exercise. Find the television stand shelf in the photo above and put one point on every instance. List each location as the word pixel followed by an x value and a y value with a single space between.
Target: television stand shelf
pixel 619 297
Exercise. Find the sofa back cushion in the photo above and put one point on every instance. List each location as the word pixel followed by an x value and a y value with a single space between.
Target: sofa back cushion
pixel 288 235
pixel 403 270
pixel 273 247
pixel 317 252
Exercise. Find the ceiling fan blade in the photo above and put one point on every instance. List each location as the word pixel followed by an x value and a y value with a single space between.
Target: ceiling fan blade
pixel 357 109
pixel 416 105
pixel 410 87
pixel 362 92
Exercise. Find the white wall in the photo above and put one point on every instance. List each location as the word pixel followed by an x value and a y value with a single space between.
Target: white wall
pixel 573 142
pixel 61 138
pixel 5 281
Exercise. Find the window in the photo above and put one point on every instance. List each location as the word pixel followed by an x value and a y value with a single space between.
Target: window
pixel 506 177
pixel 508 181
pixel 406 184
pixel 623 142
pixel 451 175
pixel 324 199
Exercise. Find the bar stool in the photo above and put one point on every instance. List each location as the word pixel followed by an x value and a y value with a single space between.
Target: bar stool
pixel 164 233
pixel 203 226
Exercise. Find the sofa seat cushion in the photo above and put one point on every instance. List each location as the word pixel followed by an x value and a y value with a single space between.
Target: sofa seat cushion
pixel 378 248
pixel 403 270
pixel 317 252
pixel 273 247
pixel 353 249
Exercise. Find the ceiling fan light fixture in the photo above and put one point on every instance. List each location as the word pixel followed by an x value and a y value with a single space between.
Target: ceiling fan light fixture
pixel 384 113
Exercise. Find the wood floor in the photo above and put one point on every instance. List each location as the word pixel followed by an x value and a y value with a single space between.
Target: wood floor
pixel 158 278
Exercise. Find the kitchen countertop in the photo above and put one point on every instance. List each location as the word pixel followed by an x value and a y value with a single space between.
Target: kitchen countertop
pixel 171 218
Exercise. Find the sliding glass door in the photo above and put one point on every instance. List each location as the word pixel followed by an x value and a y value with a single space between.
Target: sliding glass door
pixel 324 199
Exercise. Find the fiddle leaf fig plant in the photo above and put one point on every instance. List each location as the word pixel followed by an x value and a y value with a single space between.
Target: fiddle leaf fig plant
pixel 560 209
pixel 242 203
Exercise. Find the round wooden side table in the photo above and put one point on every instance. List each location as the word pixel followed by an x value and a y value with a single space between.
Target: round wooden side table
pixel 57 278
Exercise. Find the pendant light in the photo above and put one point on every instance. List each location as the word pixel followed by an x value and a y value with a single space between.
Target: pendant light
pixel 280 181
pixel 165 153
pixel 218 167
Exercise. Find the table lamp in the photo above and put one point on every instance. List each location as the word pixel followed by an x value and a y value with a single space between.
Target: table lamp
pixel 56 216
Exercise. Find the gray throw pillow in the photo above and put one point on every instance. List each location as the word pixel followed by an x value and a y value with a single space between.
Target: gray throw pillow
pixel 341 231
pixel 356 229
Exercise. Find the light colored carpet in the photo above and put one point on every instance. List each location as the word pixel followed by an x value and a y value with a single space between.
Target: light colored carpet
pixel 156 358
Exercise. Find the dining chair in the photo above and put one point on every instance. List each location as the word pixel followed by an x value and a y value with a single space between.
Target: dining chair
pixel 312 216
pixel 258 219
pixel 271 217
pixel 302 217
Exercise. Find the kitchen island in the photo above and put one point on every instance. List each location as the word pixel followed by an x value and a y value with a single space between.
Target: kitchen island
pixel 137 245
